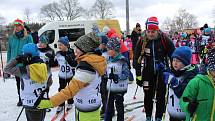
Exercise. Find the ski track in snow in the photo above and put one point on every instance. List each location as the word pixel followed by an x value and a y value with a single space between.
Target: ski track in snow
pixel 9 97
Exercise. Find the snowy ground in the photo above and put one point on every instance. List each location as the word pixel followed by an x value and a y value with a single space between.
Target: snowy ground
pixel 9 111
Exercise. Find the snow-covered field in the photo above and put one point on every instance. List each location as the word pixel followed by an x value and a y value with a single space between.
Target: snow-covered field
pixel 8 99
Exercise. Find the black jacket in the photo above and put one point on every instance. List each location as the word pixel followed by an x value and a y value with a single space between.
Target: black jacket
pixel 185 76
pixel 135 37
pixel 160 55
pixel 49 50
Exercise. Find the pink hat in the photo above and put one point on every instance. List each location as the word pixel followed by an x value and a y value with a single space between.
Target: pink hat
pixel 152 23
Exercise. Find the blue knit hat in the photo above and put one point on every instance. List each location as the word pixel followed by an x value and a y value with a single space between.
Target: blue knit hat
pixel 104 40
pixel 184 35
pixel 184 54
pixel 64 40
pixel 207 30
pixel 31 49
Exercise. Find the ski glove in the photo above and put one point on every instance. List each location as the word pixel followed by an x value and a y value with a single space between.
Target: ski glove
pixel 25 59
pixel 45 104
pixel 159 66
pixel 115 77
pixel 139 81
pixel 173 82
pixel 192 107
pixel 49 55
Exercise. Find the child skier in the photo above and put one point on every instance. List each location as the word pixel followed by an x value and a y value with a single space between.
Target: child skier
pixel 103 85
pixel 182 72
pixel 198 100
pixel 84 86
pixel 184 41
pixel 47 54
pixel 117 84
pixel 34 76
pixel 67 63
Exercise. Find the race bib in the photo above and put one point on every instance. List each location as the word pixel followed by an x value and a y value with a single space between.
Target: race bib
pixel 173 106
pixel 65 69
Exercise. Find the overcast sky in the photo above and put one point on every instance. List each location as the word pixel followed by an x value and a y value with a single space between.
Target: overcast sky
pixel 140 10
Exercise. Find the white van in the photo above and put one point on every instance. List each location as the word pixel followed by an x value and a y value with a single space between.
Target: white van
pixel 74 29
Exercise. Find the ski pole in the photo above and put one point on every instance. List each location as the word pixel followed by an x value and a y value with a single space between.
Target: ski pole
pixel 2 65
pixel 106 107
pixel 134 97
pixel 20 114
pixel 64 107
pixel 167 96
pixel 155 89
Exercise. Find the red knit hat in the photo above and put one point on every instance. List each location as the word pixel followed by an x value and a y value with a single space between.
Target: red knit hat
pixel 18 22
pixel 152 23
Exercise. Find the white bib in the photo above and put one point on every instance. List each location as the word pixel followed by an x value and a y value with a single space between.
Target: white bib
pixel 30 91
pixel 46 60
pixel 204 40
pixel 89 98
pixel 173 106
pixel 65 70
pixel 122 85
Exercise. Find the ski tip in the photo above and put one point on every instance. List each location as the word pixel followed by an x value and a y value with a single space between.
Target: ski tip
pixel 134 98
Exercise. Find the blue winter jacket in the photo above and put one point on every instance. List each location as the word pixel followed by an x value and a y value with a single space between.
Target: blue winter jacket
pixel 15 45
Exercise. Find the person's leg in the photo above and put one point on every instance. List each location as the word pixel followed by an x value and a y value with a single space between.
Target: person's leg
pixel 110 108
pixel 148 103
pixel 88 116
pixel 62 85
pixel 18 90
pixel 103 91
pixel 69 101
pixel 35 114
pixel 119 106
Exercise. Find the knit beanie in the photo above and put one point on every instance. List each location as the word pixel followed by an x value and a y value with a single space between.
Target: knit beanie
pixel 112 33
pixel 44 39
pixel 184 54
pixel 207 30
pixel 114 44
pixel 64 40
pixel 87 43
pixel 31 49
pixel 211 60
pixel 184 35
pixel 137 25
pixel 104 40
pixel 18 22
pixel 152 23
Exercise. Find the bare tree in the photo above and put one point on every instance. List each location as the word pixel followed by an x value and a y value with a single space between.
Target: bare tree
pixel 184 20
pixel 71 9
pixel 102 9
pixel 52 11
pixel 88 14
pixel 64 10
pixel 27 14
pixel 166 25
